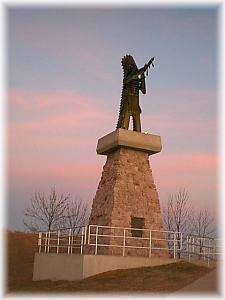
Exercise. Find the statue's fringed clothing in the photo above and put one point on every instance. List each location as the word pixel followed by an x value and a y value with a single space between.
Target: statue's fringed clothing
pixel 133 81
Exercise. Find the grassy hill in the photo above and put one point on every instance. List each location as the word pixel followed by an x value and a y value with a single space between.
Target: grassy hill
pixel 166 278
pixel 20 249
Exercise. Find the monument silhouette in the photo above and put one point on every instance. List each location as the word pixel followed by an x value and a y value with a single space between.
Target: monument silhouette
pixel 125 227
pixel 127 196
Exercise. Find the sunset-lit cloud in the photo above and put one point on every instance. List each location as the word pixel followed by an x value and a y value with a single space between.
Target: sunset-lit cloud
pixel 64 120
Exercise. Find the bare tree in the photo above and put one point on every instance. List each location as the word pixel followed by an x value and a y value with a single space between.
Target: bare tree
pixel 203 223
pixel 179 216
pixel 54 211
pixel 76 214
pixel 177 211
pixel 167 217
pixel 45 212
pixel 176 214
pixel 203 226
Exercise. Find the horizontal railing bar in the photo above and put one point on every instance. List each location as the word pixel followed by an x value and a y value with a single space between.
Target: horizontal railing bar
pixel 130 246
pixel 202 246
pixel 172 249
pixel 136 247
pixel 154 248
pixel 118 246
pixel 61 246
pixel 166 231
pixel 106 235
pixel 163 240
pixel 131 237
pixel 144 229
pixel 127 246
pixel 106 245
pixel 61 237
pixel 198 237
pixel 64 245
pixel 119 236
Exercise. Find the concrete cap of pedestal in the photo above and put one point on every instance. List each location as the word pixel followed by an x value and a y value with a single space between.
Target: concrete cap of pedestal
pixel 146 142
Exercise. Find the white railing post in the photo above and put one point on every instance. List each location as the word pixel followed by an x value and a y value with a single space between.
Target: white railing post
pixel 204 249
pixel 85 235
pixel 150 243
pixel 58 241
pixel 181 242
pixel 208 262
pixel 193 245
pixel 188 248
pixel 214 249
pixel 48 240
pixel 69 241
pixel 46 236
pixel 82 241
pixel 96 240
pixel 209 249
pixel 124 240
pixel 89 233
pixel 174 245
pixel 39 241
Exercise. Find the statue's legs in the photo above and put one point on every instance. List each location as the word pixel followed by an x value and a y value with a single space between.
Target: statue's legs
pixel 136 121
pixel 126 120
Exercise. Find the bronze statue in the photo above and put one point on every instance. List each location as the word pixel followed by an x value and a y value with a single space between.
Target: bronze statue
pixel 133 81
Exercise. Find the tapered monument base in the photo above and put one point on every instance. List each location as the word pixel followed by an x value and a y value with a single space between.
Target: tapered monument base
pixel 126 194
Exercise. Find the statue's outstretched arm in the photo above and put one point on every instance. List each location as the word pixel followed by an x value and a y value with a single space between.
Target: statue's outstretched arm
pixel 136 74
pixel 146 66
pixel 140 71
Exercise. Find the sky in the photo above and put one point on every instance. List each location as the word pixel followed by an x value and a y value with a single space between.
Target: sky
pixel 64 81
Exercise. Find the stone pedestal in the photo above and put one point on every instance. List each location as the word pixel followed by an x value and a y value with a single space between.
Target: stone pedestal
pixel 126 189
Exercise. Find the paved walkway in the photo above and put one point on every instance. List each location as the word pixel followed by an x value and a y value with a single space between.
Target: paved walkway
pixel 206 284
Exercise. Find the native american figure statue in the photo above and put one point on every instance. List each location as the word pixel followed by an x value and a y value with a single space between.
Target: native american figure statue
pixel 133 81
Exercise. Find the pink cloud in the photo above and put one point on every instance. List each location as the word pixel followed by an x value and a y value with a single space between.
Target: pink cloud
pixel 47 142
pixel 181 100
pixel 54 126
pixel 32 100
pixel 164 122
pixel 193 161
pixel 80 168
pixel 77 174
pixel 190 113
pixel 196 170
pixel 82 120
pixel 55 110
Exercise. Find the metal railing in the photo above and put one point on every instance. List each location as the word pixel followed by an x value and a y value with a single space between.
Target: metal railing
pixel 205 248
pixel 122 241
pixel 65 240
pixel 123 238
pixel 76 240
